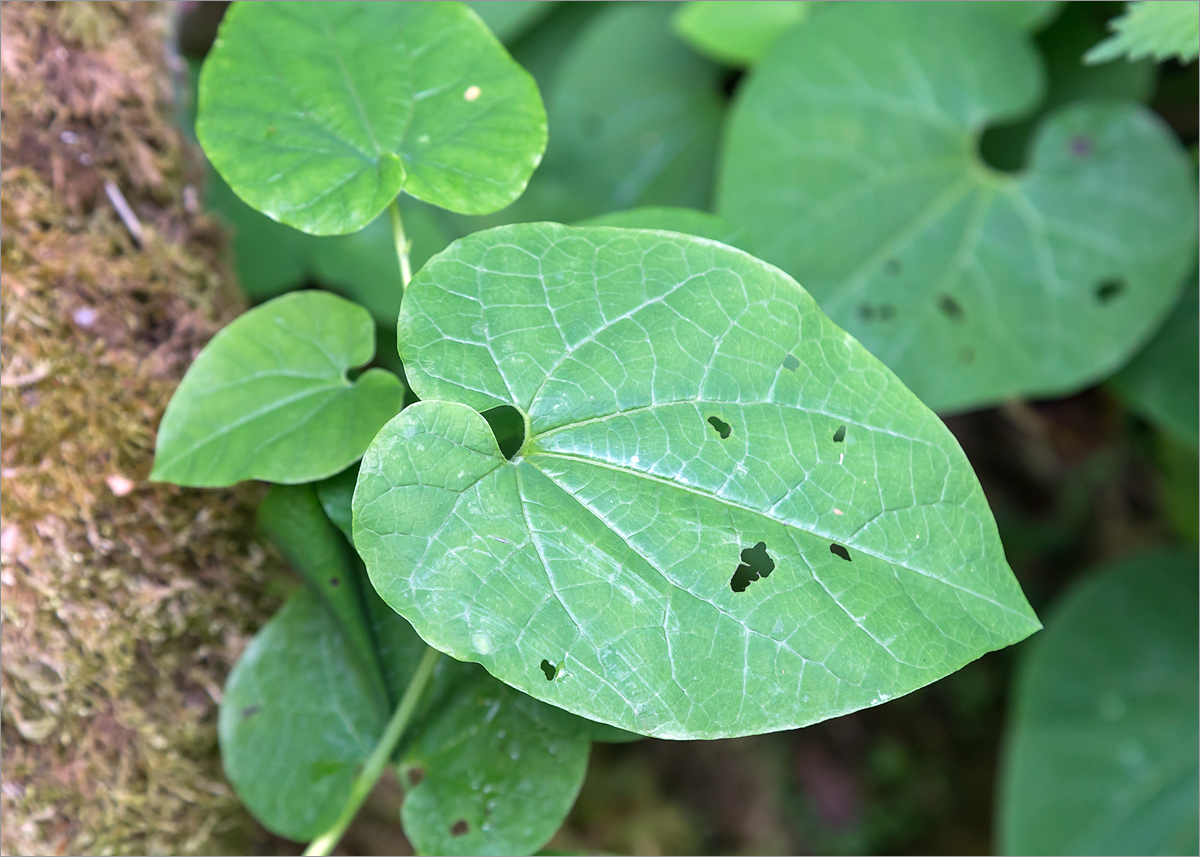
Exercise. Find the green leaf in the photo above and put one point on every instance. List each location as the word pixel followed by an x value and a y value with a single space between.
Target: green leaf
pixel 1026 14
pixel 303 709
pixel 737 34
pixel 293 518
pixel 689 221
pixel 335 494
pixel 510 19
pixel 268 398
pixel 690 410
pixel 298 718
pixel 636 116
pixel 319 114
pixel 1062 46
pixel 851 160
pixel 483 777
pixel 1102 748
pixel 1154 29
pixel 1163 381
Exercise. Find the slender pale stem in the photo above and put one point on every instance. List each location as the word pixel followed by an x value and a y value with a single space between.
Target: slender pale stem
pixel 379 758
pixel 403 245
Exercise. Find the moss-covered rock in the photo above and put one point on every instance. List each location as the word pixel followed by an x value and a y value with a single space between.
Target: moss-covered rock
pixel 124 603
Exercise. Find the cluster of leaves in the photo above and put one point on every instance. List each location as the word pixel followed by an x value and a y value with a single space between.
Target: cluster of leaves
pixel 651 483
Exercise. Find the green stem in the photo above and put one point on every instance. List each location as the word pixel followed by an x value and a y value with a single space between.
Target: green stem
pixel 377 761
pixel 403 245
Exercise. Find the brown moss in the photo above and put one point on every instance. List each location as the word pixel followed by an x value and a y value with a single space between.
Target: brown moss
pixel 124 603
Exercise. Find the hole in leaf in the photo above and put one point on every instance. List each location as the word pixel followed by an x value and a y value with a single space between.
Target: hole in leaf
pixel 951 308
pixel 415 775
pixel 1109 290
pixel 790 363
pixel 838 550
pixel 549 670
pixel 839 435
pixel 251 710
pixel 891 267
pixel 333 581
pixel 509 428
pixel 459 828
pixel 720 426
pixel 756 563
pixel 966 354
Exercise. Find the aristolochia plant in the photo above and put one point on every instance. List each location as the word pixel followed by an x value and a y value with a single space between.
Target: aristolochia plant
pixel 722 515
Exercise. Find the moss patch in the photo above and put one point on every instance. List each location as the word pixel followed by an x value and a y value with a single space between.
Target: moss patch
pixel 124 603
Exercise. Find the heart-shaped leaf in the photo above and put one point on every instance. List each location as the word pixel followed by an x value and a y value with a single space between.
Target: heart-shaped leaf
pixel 726 516
pixel 268 398
pixel 319 114
pixel 303 709
pixel 1101 754
pixel 851 160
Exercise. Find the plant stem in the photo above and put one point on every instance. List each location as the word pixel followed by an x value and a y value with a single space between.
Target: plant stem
pixel 402 243
pixel 377 761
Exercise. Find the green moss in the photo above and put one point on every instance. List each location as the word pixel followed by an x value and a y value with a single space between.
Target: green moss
pixel 124 603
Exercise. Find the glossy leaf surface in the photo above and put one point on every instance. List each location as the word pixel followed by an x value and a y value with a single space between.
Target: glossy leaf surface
pixel 269 398
pixel 319 114
pixel 1101 757
pixel 851 160
pixel 690 411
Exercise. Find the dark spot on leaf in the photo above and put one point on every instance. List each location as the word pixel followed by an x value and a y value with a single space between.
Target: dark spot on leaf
pixel 951 308
pixel 790 363
pixel 720 426
pixel 251 710
pixel 459 828
pixel 866 312
pixel 966 354
pixel 838 550
pixel 1109 290
pixel 549 669
pixel 270 130
pixel 756 563
pixel 892 267
pixel 886 311
pixel 509 428
pixel 333 581
pixel 839 435
pixel 415 775
pixel 1081 146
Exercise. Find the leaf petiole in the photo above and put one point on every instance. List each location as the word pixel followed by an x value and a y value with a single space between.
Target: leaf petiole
pixel 403 245
pixel 380 756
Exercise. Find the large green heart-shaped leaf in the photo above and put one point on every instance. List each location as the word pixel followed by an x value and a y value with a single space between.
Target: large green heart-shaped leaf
pixel 319 114
pixel 1101 753
pixel 303 709
pixel 851 159
pixel 695 422
pixel 269 398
